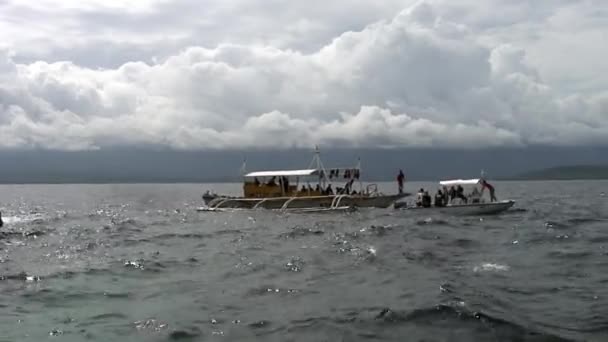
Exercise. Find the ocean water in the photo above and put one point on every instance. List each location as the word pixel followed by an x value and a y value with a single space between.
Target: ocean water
pixel 138 263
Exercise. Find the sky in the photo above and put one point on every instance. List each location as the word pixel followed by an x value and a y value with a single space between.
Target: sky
pixel 233 74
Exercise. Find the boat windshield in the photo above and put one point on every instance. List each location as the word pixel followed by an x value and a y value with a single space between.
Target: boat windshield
pixel 462 182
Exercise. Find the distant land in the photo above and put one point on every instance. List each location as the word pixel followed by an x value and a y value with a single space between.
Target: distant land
pixel 570 172
pixel 161 165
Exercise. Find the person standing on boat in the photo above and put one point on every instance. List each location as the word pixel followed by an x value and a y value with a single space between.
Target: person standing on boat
pixel 452 193
pixel 400 180
pixel 348 186
pixel 475 196
pixel 439 198
pixel 460 194
pixel 419 197
pixel 426 200
pixel 485 185
pixel 1 222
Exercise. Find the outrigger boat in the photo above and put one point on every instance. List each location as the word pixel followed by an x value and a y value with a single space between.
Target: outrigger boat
pixel 292 190
pixel 476 204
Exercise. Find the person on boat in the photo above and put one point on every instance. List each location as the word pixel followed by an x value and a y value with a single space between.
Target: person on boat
pixel 426 200
pixel 419 197
pixel 484 185
pixel 452 193
pixel 1 222
pixel 256 181
pixel 329 190
pixel 446 196
pixel 317 189
pixel 400 180
pixel 475 196
pixel 285 182
pixel 460 194
pixel 348 186
pixel 439 199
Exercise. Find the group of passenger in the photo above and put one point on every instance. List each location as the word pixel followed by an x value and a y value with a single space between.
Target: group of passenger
pixel 272 182
pixel 347 189
pixel 445 196
pixel 306 189
pixel 328 191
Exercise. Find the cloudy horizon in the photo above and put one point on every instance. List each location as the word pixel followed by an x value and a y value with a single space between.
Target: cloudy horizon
pixel 79 75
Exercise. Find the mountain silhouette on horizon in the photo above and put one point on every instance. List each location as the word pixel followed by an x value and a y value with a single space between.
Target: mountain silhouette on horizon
pixel 140 165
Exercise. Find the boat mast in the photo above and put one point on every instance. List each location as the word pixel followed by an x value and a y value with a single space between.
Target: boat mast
pixel 318 165
pixel 359 171
pixel 243 170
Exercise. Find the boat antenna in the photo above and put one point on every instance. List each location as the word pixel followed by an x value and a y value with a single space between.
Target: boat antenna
pixel 359 171
pixel 244 167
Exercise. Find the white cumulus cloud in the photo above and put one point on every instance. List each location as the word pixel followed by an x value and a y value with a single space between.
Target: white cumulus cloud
pixel 424 74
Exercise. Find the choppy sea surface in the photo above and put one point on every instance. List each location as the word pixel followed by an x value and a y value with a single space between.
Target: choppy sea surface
pixel 139 263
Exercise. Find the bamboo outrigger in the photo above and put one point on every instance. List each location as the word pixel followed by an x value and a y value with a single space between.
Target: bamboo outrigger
pixel 293 190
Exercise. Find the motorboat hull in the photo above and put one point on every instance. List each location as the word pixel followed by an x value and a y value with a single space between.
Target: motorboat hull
pixel 490 208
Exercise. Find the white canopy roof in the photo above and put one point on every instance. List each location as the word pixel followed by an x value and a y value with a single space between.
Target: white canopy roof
pixel 460 182
pixel 286 173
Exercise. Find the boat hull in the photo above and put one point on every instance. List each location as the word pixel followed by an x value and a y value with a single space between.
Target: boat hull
pixel 491 208
pixel 333 201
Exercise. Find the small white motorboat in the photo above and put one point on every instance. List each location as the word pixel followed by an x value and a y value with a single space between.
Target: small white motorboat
pixel 490 208
pixel 472 203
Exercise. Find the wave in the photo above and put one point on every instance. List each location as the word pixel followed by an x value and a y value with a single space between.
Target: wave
pixel 178 335
pixel 128 224
pixel 294 265
pixel 432 221
pixel 423 256
pixel 26 234
pixel 574 222
pixel 378 230
pixel 461 242
pixel 21 276
pixel 270 290
pixel 569 255
pixel 299 231
pixel 451 317
pixel 110 315
pixel 489 267
pixel 35 218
